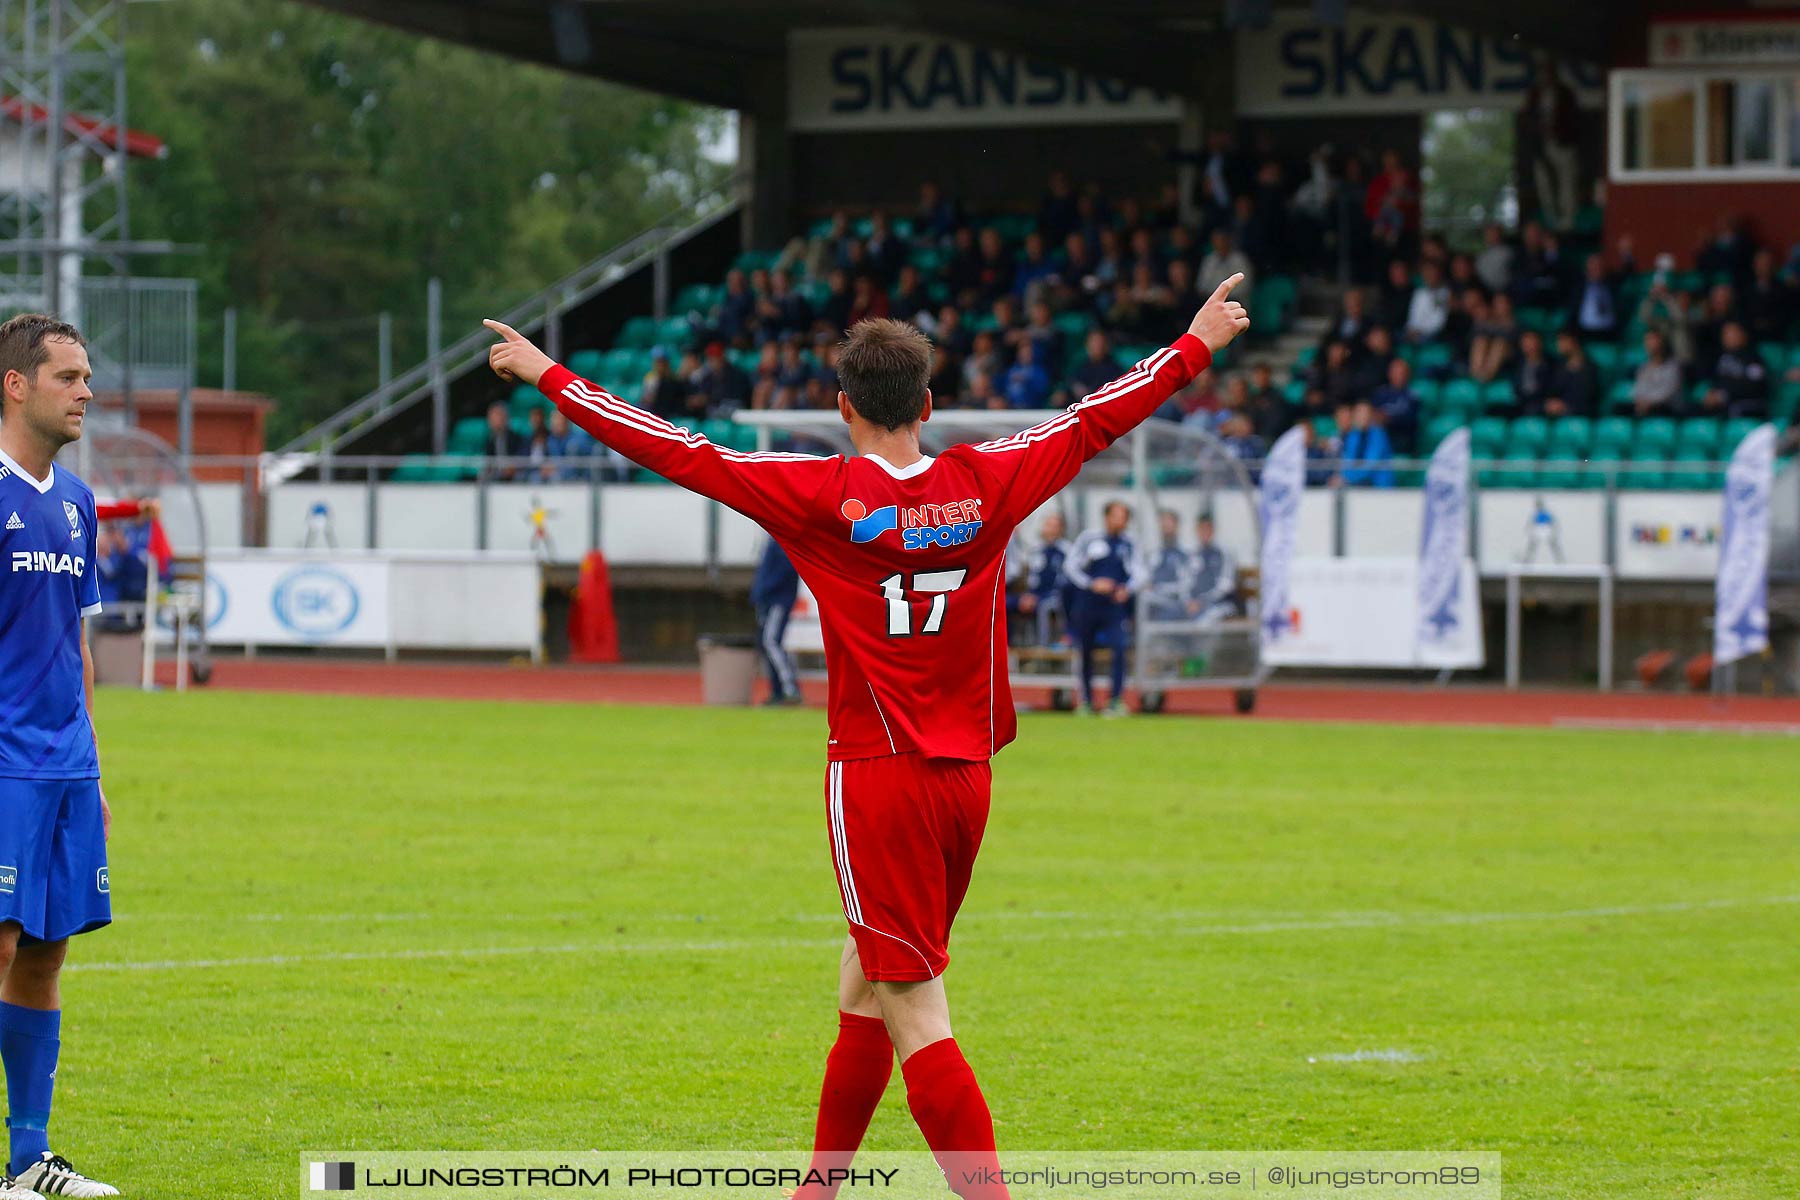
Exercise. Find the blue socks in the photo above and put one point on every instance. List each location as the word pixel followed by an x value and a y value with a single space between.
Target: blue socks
pixel 29 1040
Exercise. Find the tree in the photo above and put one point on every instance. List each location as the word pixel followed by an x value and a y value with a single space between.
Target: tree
pixel 329 168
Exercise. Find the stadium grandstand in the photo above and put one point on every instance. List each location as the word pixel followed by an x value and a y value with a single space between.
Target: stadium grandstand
pixel 1046 199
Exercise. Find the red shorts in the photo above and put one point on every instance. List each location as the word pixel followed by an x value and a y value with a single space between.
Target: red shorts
pixel 904 831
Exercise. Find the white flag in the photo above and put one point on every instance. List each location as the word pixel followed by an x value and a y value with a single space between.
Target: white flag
pixel 1283 481
pixel 1741 610
pixel 1443 547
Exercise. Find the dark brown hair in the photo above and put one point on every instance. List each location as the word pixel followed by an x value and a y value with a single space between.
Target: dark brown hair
pixel 884 367
pixel 22 341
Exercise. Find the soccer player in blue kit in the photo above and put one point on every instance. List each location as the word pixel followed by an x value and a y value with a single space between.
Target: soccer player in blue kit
pixel 53 819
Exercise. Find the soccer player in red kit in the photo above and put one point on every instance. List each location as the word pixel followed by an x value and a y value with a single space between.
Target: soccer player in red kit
pixel 905 555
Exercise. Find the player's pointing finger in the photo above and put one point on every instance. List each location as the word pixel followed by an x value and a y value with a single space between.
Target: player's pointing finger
pixel 513 335
pixel 1225 288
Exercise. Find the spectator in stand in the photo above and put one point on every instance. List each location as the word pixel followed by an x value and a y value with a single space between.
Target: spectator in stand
pixel 1366 452
pixel 1370 368
pixel 1183 295
pixel 1007 327
pixel 735 318
pixel 1222 262
pixel 1046 338
pixel 1575 389
pixel 1027 383
pixel 1397 407
pixel 1462 275
pixel 1352 223
pixel 1709 327
pixel 783 311
pixel 1075 284
pixel 565 448
pixel 1350 323
pixel 1151 296
pixel 1549 128
pixel 1269 411
pixel 537 445
pixel 822 388
pixel 1395 299
pixel 963 272
pixel 886 250
pixel 502 442
pixel 791 378
pixel 1183 247
pixel 1739 382
pixel 124 572
pixel 981 393
pixel 1223 174
pixel 1059 214
pixel 983 358
pixel 993 268
pixel 1321 453
pixel 1392 204
pixel 1197 401
pixel 662 392
pixel 835 311
pixel 1537 271
pixel 1334 375
pixel 1122 313
pixel 1035 270
pixel 822 251
pixel 946 379
pixel 951 334
pixel 868 302
pixel 1491 339
pixel 720 388
pixel 766 377
pixel 1668 310
pixel 1142 252
pixel 1494 265
pixel 1767 303
pixel 1657 388
pixel 1109 265
pixel 936 217
pixel 1240 441
pixel 1534 378
pixel 1728 253
pixel 911 300
pixel 1429 307
pixel 1099 368
pixel 1252 231
pixel 1596 311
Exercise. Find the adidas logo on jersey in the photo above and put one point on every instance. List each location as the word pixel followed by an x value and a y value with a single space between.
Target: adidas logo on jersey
pixel 13 522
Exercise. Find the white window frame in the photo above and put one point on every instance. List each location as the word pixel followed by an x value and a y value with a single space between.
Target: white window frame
pixel 1784 79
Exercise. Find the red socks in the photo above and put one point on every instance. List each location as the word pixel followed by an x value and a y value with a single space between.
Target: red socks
pixel 954 1117
pixel 856 1074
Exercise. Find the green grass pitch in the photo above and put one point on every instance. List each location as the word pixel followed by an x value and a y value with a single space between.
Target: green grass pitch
pixel 376 924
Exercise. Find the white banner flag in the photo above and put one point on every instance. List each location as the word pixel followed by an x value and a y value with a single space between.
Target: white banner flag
pixel 1283 480
pixel 1741 612
pixel 1448 632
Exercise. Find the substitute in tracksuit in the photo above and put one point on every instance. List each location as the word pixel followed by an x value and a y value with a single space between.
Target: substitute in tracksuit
pixel 1212 591
pixel 773 592
pixel 1106 573
pixel 1171 572
pixel 1046 586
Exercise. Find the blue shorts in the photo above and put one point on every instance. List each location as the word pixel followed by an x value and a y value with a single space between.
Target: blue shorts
pixel 53 879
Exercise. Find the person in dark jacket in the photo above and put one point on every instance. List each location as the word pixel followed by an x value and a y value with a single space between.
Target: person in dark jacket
pixel 772 593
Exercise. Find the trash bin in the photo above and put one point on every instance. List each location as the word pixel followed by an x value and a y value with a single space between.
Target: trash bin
pixel 728 666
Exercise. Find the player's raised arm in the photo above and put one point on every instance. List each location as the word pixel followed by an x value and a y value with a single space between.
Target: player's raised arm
pixel 770 489
pixel 1047 456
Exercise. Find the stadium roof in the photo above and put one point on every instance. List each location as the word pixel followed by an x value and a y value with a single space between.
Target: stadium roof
pixel 716 51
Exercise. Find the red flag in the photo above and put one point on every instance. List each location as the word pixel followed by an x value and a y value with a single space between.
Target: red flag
pixel 160 549
pixel 593 627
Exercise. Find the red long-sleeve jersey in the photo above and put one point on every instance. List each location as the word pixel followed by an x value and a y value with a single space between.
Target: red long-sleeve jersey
pixel 907 563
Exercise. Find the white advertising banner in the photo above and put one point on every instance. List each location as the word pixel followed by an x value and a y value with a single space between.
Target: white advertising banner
pixel 886 79
pixel 1540 528
pixel 1741 593
pixel 296 601
pixel 1296 67
pixel 1363 612
pixel 1446 638
pixel 1768 39
pixel 1667 535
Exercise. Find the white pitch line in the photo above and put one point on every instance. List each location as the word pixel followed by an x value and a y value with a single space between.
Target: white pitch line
pixel 759 945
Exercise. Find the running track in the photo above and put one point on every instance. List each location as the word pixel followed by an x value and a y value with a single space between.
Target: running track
pixel 1456 705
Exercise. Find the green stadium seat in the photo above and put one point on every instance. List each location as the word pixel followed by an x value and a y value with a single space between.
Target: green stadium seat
pixel 1644 478
pixel 1519 471
pixel 1785 403
pixel 675 332
pixel 1487 436
pixel 1562 468
pixel 1654 437
pixel 1546 321
pixel 1619 395
pixel 413 468
pixel 718 431
pixel 1698 434
pixel 1775 358
pixel 1736 430
pixel 1528 436
pixel 1499 393
pixel 1303 361
pixel 929 259
pixel 1013 227
pixel 621 363
pixel 1325 427
pixel 1599 464
pixel 756 260
pixel 1572 433
pixel 587 363
pixel 1294 392
pixel 1698 478
pixel 1429 392
pixel 1464 395
pixel 1434 357
pixel 1612 433
pixel 638 333
pixel 695 298
pixel 1605 357
pixel 468 436
pixel 1440 427
pixel 1073 324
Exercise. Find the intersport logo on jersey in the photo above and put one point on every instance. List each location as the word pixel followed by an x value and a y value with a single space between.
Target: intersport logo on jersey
pixel 920 528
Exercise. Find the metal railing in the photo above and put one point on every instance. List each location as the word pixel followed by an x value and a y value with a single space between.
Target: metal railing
pixel 649 247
